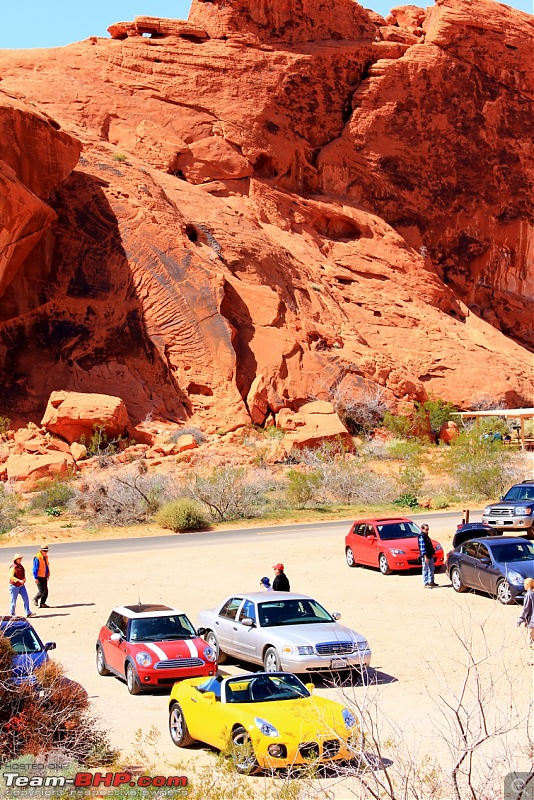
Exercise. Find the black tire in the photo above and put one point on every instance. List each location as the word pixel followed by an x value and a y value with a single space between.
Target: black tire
pixel 213 642
pixel 456 580
pixel 242 752
pixel 349 555
pixel 383 565
pixel 178 727
pixel 504 593
pixel 271 660
pixel 101 667
pixel 132 681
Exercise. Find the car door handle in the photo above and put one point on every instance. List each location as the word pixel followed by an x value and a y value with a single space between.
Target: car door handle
pixel 235 629
pixel 192 699
pixel 216 621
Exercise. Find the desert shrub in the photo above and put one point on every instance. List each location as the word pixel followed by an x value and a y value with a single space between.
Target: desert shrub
pixel 230 492
pixel 128 497
pixel 398 424
pixel 5 425
pixel 440 502
pixel 196 433
pixel 360 410
pixel 407 500
pixel 425 420
pixel 52 493
pixel 405 450
pixel 303 487
pixel 410 479
pixel 101 445
pixel 9 509
pixel 482 467
pixel 181 515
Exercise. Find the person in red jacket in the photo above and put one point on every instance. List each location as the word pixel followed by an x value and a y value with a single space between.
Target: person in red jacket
pixel 17 581
pixel 41 573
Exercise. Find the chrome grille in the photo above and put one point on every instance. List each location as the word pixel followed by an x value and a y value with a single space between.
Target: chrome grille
pixel 335 648
pixel 179 663
pixel 501 512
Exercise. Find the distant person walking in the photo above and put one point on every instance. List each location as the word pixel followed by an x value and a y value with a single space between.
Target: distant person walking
pixel 426 549
pixel 41 573
pixel 527 615
pixel 280 583
pixel 17 581
pixel 265 583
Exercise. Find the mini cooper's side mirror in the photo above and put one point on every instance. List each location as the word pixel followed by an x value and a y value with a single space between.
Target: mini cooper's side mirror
pixel 115 637
pixel 247 622
pixel 201 631
pixel 336 615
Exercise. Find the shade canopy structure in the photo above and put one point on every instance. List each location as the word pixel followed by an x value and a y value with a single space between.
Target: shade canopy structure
pixel 508 413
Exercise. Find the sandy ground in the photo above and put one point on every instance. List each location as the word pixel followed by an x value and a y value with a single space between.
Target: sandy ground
pixel 416 635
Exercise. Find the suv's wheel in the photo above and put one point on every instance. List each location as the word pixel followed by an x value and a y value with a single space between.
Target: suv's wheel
pixel 178 727
pixel 504 593
pixel 456 580
pixel 349 555
pixel 101 661
pixel 131 680
pixel 383 564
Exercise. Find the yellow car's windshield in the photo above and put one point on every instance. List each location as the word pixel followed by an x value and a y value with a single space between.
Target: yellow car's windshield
pixel 262 688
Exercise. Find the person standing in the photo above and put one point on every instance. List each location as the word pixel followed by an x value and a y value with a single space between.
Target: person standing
pixel 41 573
pixel 265 583
pixel 17 581
pixel 280 583
pixel 426 549
pixel 527 615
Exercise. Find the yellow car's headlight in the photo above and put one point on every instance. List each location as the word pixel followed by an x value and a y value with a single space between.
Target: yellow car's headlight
pixel 265 727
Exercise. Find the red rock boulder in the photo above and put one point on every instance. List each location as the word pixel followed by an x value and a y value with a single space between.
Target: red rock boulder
pixel 314 423
pixel 73 414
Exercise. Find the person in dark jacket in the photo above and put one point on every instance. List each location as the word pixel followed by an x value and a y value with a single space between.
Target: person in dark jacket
pixel 426 548
pixel 527 615
pixel 280 583
pixel 17 581
pixel 41 573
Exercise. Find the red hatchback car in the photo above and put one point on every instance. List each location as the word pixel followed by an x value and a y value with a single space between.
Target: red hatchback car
pixel 152 646
pixel 389 543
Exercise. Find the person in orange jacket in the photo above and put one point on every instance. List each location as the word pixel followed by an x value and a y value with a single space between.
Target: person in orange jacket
pixel 41 573
pixel 17 581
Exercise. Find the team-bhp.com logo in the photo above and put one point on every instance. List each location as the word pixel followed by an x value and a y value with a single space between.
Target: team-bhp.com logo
pixel 89 779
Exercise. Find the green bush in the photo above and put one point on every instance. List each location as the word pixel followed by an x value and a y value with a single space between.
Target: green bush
pixel 405 450
pixel 410 479
pixel 230 492
pixel 302 487
pixel 5 425
pixel 482 467
pixel 9 510
pixel 181 515
pixel 440 502
pixel 54 493
pixel 408 500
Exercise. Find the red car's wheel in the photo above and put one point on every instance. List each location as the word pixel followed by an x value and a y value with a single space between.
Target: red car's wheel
pixel 349 555
pixel 131 680
pixel 383 565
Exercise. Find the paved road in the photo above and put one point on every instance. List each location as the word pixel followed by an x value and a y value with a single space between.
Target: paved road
pixel 440 521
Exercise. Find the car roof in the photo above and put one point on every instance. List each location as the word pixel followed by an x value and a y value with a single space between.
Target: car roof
pixel 492 540
pixel 145 610
pixel 270 596
pixel 382 519
pixel 19 622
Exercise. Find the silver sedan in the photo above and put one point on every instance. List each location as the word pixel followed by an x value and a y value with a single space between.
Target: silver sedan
pixel 283 632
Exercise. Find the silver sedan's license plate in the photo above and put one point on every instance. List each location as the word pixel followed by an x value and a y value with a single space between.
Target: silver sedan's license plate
pixel 339 663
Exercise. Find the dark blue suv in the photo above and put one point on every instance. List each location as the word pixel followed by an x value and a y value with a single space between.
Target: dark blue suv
pixel 30 651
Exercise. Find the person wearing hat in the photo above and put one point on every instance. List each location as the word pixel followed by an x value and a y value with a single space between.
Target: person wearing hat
pixel 280 583
pixel 17 580
pixel 41 573
pixel 265 583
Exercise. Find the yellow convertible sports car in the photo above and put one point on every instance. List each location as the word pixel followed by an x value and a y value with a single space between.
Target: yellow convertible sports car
pixel 264 720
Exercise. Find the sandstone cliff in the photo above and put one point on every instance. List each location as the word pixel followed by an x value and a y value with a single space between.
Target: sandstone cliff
pixel 272 199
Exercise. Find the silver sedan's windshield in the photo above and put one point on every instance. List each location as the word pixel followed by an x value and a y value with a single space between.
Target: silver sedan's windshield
pixel 292 612
pixel 264 688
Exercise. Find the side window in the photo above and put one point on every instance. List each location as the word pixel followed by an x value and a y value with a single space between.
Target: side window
pixel 360 530
pixel 471 549
pixel 483 552
pixel 113 622
pixel 122 624
pixel 247 611
pixel 229 609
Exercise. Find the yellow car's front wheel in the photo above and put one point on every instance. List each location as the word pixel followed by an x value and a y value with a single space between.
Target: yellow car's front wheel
pixel 178 727
pixel 242 752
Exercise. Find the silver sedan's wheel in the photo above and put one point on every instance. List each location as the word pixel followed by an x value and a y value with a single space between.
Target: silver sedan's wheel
pixel 504 593
pixel 271 660
pixel 383 565
pixel 243 754
pixel 351 561
pixel 131 680
pixel 456 580
pixel 213 642
pixel 101 661
pixel 178 727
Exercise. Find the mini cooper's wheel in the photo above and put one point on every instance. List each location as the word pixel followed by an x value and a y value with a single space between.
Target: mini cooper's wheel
pixel 131 680
pixel 504 593
pixel 242 752
pixel 101 661
pixel 349 555
pixel 178 727
pixel 383 565
pixel 271 660
pixel 213 642
pixel 456 580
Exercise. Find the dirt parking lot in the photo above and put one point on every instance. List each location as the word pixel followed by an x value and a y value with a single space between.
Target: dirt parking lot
pixel 416 635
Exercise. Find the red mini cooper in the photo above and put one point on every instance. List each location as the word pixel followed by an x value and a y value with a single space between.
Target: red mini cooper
pixel 152 646
pixel 389 543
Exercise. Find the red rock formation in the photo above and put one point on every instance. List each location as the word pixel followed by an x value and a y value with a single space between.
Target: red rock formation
pixel 274 198
pixel 72 415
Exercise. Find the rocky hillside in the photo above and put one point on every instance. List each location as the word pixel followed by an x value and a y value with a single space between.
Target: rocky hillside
pixel 219 218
